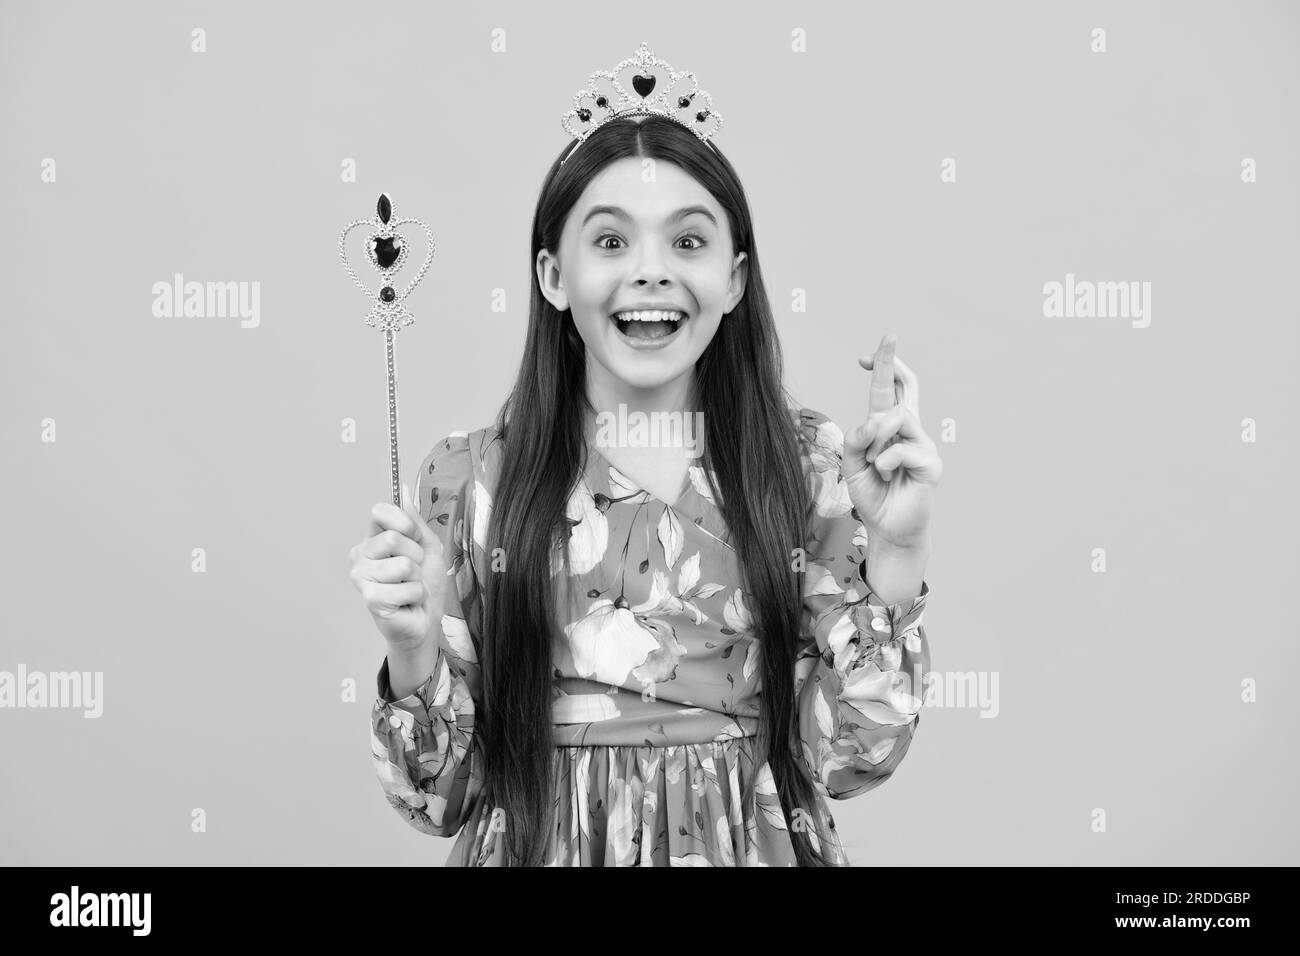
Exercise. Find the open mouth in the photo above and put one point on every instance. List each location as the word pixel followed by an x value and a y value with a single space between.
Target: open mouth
pixel 648 326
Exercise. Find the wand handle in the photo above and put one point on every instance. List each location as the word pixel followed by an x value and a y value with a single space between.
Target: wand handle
pixel 392 417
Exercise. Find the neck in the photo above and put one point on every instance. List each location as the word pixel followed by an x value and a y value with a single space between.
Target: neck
pixel 606 394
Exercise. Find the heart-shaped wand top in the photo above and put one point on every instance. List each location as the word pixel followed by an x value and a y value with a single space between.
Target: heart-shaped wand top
pixel 387 251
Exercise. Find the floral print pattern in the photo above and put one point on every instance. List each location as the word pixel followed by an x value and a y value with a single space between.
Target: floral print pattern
pixel 657 687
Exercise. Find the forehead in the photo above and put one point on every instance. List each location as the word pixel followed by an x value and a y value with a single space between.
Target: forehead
pixel 624 183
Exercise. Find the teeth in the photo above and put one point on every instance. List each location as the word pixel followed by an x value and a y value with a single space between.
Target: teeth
pixel 651 315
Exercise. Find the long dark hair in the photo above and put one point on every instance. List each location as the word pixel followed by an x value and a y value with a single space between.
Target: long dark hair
pixel 750 444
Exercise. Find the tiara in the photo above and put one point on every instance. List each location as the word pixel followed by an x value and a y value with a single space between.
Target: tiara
pixel 656 88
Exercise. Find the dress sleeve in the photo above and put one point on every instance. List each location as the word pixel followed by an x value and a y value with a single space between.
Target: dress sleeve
pixel 861 668
pixel 423 745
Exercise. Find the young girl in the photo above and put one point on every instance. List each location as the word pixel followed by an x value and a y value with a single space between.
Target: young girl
pixel 608 655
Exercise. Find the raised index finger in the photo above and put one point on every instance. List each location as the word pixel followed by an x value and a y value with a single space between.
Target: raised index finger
pixel 881 397
pixel 908 391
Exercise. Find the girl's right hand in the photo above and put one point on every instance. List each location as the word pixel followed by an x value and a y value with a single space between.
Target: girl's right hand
pixel 400 572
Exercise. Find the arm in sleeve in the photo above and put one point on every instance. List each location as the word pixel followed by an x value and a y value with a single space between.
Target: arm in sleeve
pixel 423 745
pixel 861 668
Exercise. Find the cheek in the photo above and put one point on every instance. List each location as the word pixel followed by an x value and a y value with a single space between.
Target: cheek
pixel 591 294
pixel 708 282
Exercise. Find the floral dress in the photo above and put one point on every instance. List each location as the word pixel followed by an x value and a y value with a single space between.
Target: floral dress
pixel 656 697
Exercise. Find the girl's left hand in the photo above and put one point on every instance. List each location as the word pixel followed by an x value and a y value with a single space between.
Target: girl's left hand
pixel 890 465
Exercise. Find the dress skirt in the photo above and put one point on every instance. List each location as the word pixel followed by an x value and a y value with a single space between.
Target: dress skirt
pixel 677 805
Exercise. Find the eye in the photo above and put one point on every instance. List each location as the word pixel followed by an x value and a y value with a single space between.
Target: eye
pixel 601 239
pixel 699 240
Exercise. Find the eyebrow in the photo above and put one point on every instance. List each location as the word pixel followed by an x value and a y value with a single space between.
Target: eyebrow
pixel 679 214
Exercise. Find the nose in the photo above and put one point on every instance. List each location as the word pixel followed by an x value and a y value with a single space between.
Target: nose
pixel 650 268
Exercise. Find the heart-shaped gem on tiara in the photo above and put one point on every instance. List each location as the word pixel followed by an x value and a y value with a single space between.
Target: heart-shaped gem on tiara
pixel 644 85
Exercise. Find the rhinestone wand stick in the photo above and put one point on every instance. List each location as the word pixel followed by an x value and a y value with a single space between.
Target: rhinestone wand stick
pixel 387 250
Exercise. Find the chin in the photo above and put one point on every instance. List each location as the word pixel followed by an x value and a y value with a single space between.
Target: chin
pixel 648 373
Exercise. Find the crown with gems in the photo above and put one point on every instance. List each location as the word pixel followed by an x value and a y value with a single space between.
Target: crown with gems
pixel 656 88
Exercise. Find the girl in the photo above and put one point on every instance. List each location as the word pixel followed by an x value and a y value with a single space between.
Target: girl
pixel 608 655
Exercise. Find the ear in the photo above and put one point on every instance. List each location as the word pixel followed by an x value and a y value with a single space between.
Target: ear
pixel 548 278
pixel 739 277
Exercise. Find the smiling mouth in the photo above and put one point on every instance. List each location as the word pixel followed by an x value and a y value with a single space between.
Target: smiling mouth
pixel 646 325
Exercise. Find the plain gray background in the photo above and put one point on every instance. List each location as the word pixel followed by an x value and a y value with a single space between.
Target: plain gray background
pixel 1119 691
